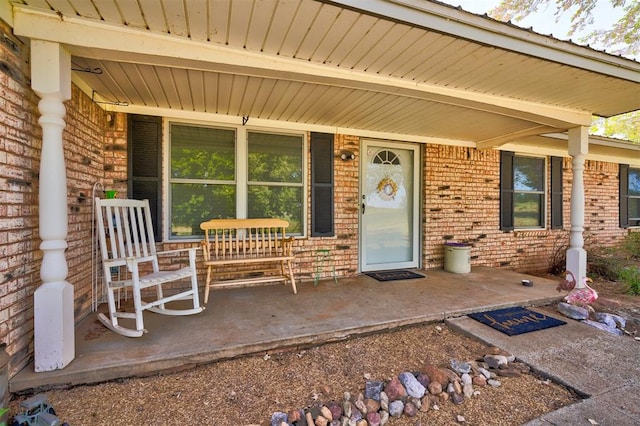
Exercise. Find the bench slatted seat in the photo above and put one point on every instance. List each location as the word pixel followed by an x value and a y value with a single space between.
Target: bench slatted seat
pixel 252 251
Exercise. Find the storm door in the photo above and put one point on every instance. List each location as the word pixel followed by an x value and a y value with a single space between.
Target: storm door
pixel 389 201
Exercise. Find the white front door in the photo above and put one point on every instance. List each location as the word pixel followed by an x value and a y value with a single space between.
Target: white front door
pixel 389 201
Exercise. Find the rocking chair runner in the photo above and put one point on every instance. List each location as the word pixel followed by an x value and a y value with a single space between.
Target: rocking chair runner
pixel 126 239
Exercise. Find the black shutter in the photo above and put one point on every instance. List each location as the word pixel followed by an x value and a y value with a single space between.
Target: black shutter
pixel 145 164
pixel 556 193
pixel 624 195
pixel 506 190
pixel 321 185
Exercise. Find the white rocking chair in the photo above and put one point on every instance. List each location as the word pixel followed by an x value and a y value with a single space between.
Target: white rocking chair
pixel 126 239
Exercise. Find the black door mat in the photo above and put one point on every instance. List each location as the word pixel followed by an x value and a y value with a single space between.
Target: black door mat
pixel 514 321
pixel 395 275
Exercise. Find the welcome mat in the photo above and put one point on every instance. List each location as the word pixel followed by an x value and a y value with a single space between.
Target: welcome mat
pixel 513 321
pixel 400 274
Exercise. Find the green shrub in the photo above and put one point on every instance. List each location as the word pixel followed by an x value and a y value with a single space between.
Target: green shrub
pixel 605 262
pixel 630 276
pixel 631 245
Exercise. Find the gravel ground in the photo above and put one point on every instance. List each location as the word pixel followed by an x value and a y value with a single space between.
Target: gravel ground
pixel 248 390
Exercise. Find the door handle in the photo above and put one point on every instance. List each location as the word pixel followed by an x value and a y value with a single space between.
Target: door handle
pixel 363 208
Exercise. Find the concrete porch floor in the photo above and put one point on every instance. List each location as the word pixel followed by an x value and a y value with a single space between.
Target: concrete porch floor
pixel 255 320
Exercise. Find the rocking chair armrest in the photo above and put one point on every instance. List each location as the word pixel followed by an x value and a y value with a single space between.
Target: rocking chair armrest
pixel 190 250
pixel 175 251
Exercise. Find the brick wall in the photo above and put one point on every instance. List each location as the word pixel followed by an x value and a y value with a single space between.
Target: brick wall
pixel 344 245
pixel 20 150
pixel 83 149
pixel 20 138
pixel 462 203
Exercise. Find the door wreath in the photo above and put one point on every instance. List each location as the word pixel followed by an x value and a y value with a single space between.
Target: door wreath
pixel 387 189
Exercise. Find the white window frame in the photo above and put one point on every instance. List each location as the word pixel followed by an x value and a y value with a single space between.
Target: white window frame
pixel 545 192
pixel 242 165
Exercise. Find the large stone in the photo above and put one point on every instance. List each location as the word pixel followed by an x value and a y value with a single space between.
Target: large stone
pixel 372 389
pixel 436 374
pixel 467 390
pixel 466 378
pixel 373 419
pixel 603 327
pixel 371 405
pixel 495 361
pixel 479 380
pixel 435 388
pixel 278 418
pixel 413 387
pixel 509 372
pixel 326 413
pixel 460 367
pixel 384 401
pixel 574 312
pixel 396 408
pixel 335 408
pixel 395 390
pixel 423 379
pixel 410 409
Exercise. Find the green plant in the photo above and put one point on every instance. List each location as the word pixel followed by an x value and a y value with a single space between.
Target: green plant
pixel 558 259
pixel 3 411
pixel 631 245
pixel 630 276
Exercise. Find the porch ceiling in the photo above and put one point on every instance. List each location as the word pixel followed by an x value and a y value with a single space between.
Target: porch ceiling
pixel 425 70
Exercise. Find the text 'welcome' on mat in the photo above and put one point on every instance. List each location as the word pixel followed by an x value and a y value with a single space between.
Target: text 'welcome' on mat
pixel 517 320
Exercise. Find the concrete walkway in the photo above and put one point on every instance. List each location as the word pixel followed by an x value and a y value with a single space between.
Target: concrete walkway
pixel 262 319
pixel 599 366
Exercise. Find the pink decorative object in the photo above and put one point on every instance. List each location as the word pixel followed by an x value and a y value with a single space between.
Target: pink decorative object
pixel 568 283
pixel 582 296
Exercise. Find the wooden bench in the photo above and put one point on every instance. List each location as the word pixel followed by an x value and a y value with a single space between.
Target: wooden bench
pixel 250 251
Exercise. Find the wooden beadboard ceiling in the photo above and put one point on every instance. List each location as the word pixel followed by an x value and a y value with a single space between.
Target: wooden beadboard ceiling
pixel 337 39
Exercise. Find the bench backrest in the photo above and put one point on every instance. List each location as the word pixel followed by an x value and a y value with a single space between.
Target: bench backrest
pixel 125 229
pixel 245 238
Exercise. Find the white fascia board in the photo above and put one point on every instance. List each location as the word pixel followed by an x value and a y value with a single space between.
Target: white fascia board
pixel 99 40
pixel 600 149
pixel 6 12
pixel 448 20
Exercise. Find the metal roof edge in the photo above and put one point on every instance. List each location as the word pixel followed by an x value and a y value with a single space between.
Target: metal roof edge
pixel 447 19
pixel 601 140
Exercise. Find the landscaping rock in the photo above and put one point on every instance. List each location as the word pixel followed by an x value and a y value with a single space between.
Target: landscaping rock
pixel 413 387
pixel 574 312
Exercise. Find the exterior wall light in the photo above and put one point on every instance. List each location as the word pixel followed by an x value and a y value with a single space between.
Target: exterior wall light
pixel 347 155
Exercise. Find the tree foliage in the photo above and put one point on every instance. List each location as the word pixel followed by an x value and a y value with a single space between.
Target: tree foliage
pixel 623 126
pixel 623 37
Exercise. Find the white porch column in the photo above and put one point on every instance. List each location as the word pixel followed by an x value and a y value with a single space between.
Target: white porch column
pixel 53 300
pixel 576 255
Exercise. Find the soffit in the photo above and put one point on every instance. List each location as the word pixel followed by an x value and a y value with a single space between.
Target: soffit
pixel 305 33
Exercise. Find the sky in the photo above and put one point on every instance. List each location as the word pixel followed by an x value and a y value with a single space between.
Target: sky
pixel 544 22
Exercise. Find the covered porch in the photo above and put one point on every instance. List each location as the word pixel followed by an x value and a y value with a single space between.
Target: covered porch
pixel 259 320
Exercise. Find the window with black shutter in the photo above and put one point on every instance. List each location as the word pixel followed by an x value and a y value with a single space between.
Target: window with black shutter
pixel 506 190
pixel 522 191
pixel 145 164
pixel 629 196
pixel 624 195
pixel 556 193
pixel 322 185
